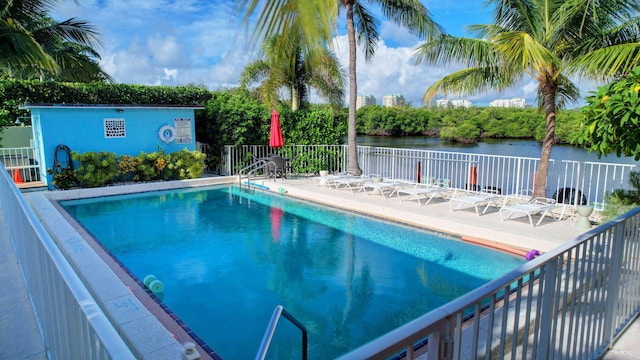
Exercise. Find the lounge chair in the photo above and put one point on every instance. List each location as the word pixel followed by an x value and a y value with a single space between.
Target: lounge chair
pixel 486 198
pixel 328 180
pixel 538 205
pixel 420 191
pixel 351 182
pixel 384 188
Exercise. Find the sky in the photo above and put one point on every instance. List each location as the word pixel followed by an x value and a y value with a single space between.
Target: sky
pixel 200 42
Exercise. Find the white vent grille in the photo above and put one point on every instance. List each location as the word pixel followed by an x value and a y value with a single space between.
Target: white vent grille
pixel 114 128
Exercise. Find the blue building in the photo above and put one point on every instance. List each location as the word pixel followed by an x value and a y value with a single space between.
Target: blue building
pixel 121 129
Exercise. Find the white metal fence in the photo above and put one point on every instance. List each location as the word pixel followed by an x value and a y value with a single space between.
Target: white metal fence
pixel 570 303
pixel 574 182
pixel 72 323
pixel 22 162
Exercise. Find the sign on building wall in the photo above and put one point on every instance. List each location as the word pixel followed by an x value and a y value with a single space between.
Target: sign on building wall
pixel 183 130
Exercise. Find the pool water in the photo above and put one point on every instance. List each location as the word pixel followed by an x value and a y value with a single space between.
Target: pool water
pixel 227 258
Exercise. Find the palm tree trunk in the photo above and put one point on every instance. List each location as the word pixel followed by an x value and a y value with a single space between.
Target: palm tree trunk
pixel 295 98
pixel 353 166
pixel 549 94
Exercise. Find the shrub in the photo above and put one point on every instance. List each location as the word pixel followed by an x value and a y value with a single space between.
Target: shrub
pixel 620 201
pixel 151 165
pixel 128 166
pixel 63 179
pixel 103 168
pixel 185 164
pixel 96 169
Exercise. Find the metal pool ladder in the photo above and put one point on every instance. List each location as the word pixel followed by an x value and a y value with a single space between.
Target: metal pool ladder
pixel 271 329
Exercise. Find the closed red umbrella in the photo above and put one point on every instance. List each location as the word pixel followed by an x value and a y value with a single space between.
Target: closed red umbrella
pixel 275 137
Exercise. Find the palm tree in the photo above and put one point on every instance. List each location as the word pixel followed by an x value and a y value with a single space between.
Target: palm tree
pixel 547 40
pixel 320 70
pixel 319 18
pixel 34 45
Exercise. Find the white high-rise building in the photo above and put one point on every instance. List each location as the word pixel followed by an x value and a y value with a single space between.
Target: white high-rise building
pixel 365 100
pixel 393 100
pixel 508 103
pixel 453 103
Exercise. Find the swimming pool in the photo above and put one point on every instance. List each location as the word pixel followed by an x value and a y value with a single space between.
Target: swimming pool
pixel 227 258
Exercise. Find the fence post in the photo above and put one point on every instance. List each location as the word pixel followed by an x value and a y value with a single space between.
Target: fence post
pixel 547 312
pixel 613 290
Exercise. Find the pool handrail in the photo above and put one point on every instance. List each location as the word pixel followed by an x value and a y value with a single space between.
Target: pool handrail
pixel 271 328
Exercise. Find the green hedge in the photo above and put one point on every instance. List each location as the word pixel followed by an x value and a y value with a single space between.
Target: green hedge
pixel 14 93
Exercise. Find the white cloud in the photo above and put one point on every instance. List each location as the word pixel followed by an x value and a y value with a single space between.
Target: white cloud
pixel 170 74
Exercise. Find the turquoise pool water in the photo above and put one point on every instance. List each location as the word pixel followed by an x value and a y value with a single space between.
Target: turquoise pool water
pixel 227 258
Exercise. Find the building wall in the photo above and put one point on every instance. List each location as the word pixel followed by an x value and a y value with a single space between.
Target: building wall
pixel 393 100
pixel 82 129
pixel 362 100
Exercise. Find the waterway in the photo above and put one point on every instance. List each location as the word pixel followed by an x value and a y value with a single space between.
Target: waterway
pixel 509 147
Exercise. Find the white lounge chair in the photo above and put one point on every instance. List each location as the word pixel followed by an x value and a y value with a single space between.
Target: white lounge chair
pixel 328 180
pixel 539 205
pixel 425 191
pixel 353 183
pixel 384 188
pixel 486 198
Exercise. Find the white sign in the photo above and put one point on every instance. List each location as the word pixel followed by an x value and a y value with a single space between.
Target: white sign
pixel 183 130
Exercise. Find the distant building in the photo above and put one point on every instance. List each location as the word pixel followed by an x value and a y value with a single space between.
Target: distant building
pixel 393 100
pixel 508 103
pixel 365 100
pixel 453 103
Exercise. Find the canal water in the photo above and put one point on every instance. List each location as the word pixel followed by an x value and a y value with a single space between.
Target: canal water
pixel 521 148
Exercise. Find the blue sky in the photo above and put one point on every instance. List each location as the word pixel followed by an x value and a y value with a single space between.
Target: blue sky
pixel 179 42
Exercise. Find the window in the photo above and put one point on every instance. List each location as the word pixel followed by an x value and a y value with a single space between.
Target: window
pixel 114 128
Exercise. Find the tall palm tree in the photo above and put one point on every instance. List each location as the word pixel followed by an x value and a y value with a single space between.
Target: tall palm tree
pixel 319 18
pixel 549 40
pixel 33 43
pixel 319 70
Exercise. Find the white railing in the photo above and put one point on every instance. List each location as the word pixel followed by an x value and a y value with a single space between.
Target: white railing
pixel 21 161
pixel 72 323
pixel 570 303
pixel 578 181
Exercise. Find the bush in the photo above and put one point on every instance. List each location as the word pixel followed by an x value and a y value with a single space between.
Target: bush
pixel 151 165
pixel 97 169
pixel 64 179
pixel 620 201
pixel 185 164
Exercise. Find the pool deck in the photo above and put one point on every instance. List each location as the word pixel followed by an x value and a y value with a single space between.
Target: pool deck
pixel 20 336
pixel 488 228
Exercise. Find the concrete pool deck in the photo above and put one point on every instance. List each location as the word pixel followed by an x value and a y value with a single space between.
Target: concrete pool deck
pixel 516 233
pixel 20 337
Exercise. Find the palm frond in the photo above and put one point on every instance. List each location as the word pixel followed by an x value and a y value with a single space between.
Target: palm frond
pixel 366 29
pixel 522 50
pixel 315 20
pixel 608 62
pixel 469 81
pixel 254 72
pixel 74 30
pixel 413 16
pixel 449 49
pixel 515 15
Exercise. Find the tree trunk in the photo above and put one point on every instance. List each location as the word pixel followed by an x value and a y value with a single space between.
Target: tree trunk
pixel 549 94
pixel 295 98
pixel 353 166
